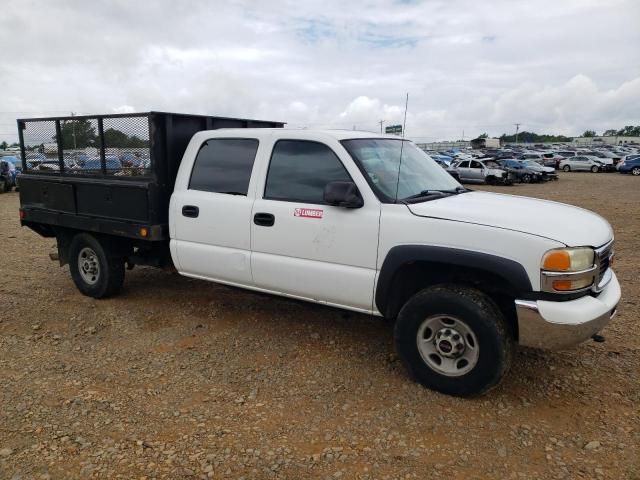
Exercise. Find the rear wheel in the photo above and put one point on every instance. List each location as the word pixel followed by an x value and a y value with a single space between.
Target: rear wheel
pixel 566 168
pixel 454 339
pixel 6 186
pixel 95 271
pixel 594 169
pixel 526 178
pixel 635 171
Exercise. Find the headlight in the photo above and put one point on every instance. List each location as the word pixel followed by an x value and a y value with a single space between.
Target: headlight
pixel 568 269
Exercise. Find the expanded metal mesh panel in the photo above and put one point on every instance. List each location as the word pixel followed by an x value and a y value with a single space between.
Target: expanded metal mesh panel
pixel 126 142
pixel 41 147
pixel 80 139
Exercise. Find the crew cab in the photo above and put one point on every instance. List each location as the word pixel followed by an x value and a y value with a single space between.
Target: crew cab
pixel 353 220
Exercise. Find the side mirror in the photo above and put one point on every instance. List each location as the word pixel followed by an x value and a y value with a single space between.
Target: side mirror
pixel 342 194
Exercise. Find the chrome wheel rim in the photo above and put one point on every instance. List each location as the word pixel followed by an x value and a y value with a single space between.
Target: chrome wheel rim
pixel 88 265
pixel 636 171
pixel 448 345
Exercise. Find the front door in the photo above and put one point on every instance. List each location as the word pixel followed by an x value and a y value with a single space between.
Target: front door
pixel 304 248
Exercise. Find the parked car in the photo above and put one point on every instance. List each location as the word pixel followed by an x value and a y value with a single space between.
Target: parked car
pixel 112 163
pixel 548 173
pixel 551 160
pixel 7 175
pixel 477 171
pixel 545 159
pixel 630 165
pixel 520 172
pixel 443 160
pixel 17 163
pixel 567 153
pixel 582 163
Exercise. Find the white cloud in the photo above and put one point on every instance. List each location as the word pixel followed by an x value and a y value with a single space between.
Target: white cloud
pixel 552 66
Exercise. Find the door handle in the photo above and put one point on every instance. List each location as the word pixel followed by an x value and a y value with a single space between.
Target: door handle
pixel 264 219
pixel 190 211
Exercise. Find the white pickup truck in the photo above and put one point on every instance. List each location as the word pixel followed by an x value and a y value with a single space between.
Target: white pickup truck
pixel 337 218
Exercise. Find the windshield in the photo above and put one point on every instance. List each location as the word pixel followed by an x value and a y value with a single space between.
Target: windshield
pixel 379 159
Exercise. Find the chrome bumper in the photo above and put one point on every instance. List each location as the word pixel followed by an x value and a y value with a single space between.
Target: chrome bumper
pixel 559 325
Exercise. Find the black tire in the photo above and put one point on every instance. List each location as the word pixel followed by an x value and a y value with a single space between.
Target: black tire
pixel 480 314
pixel 6 186
pixel 594 169
pixel 635 171
pixel 491 180
pixel 526 178
pixel 110 273
pixel 566 168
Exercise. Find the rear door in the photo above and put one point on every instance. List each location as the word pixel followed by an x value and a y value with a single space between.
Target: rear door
pixel 463 170
pixel 211 218
pixel 476 171
pixel 304 248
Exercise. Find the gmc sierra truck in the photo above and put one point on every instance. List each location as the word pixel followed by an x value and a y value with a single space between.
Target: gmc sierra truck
pixel 353 220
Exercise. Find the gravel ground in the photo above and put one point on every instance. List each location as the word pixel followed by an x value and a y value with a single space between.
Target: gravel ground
pixel 178 378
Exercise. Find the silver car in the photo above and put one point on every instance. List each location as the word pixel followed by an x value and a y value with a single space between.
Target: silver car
pixel 581 163
pixel 476 171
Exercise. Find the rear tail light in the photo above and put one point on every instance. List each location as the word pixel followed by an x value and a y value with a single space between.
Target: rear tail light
pixel 22 214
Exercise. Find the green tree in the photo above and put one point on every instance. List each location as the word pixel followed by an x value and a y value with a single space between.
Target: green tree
pixel 589 133
pixel 610 133
pixel 78 134
pixel 3 145
pixel 531 137
pixel 629 131
pixel 117 138
pixel 484 135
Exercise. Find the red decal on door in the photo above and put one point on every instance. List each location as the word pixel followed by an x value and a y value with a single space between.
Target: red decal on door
pixel 307 212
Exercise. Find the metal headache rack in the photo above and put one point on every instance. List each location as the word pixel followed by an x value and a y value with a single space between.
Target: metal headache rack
pixel 120 145
pixel 108 173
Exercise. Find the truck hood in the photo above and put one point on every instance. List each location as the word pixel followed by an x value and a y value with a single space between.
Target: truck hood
pixel 567 224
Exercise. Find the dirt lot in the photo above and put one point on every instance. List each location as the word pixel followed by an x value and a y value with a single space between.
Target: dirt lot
pixel 178 378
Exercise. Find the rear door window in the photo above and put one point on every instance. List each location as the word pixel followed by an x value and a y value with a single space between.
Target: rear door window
pixel 224 165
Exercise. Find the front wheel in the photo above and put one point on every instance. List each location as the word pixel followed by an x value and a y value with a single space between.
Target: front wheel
pixel 594 169
pixel 95 271
pixel 454 340
pixel 635 171
pixel 526 178
pixel 566 168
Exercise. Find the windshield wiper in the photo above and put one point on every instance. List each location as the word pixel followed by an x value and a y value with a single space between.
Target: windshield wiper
pixel 437 193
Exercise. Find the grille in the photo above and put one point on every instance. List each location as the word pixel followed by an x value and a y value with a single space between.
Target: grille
pixel 604 260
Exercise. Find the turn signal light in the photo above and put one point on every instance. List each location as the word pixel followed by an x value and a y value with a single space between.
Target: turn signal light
pixel 144 232
pixel 568 285
pixel 557 260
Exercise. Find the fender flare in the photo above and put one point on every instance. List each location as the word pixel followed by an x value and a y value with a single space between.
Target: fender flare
pixel 512 272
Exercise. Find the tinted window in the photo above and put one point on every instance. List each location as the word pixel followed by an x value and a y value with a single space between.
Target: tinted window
pixel 299 171
pixel 464 164
pixel 224 165
pixel 475 164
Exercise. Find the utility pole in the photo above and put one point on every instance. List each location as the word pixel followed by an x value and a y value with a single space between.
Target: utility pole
pixel 381 122
pixel 517 129
pixel 73 125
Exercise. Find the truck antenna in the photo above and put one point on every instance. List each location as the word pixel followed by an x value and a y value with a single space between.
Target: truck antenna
pixel 404 126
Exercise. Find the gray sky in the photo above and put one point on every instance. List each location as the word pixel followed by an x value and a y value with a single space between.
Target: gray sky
pixel 555 66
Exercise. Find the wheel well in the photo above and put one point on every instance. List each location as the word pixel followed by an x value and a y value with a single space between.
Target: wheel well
pixel 114 246
pixel 416 276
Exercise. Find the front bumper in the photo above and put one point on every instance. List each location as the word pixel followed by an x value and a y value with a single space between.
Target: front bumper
pixel 558 325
